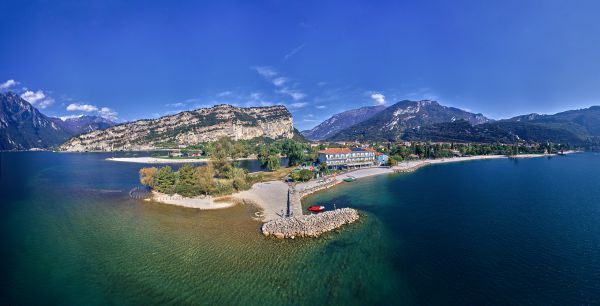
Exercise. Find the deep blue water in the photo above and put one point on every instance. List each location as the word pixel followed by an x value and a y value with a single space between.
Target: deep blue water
pixel 491 232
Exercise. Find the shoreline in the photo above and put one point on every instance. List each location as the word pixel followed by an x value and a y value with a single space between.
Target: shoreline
pixel 159 160
pixel 271 197
pixel 199 202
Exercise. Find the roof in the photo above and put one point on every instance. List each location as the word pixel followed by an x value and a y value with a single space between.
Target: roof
pixel 344 150
pixel 335 151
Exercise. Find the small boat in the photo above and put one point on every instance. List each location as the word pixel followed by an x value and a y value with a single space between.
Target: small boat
pixel 316 208
pixel 350 179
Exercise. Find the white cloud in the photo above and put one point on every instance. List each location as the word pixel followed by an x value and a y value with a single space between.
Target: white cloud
pixel 73 107
pixel 298 105
pixel 321 106
pixel 293 52
pixel 8 84
pixel 266 72
pixel 378 99
pixel 294 93
pixel 108 113
pixel 280 81
pixel 224 93
pixel 38 98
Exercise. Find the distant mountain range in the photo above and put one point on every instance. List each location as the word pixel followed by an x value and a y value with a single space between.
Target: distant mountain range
pixel 429 121
pixel 23 127
pixel 391 123
pixel 341 121
pixel 83 124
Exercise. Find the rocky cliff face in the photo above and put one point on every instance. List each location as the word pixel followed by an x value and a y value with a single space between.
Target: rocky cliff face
pixel 189 127
pixel 23 127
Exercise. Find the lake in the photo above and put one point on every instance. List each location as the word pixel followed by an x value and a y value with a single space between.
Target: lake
pixel 499 231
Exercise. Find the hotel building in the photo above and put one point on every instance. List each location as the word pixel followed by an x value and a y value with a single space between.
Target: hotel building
pixel 348 158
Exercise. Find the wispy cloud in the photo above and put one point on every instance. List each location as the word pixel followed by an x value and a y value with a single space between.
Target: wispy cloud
pixel 224 93
pixel 293 52
pixel 73 107
pixel 266 72
pixel 108 113
pixel 321 106
pixel 294 93
pixel 297 105
pixel 8 84
pixel 378 98
pixel 37 98
pixel 282 83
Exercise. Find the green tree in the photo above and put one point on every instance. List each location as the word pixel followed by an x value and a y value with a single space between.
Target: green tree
pixel 272 163
pixel 166 180
pixel 294 152
pixel 205 179
pixel 239 179
pixel 186 183
pixel 392 161
pixel 220 157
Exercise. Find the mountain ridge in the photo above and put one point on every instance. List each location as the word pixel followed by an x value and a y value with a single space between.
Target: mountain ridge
pixel 341 121
pixel 390 123
pixel 189 127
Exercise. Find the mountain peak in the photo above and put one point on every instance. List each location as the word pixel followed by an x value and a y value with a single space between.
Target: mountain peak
pixel 341 121
pixel 390 123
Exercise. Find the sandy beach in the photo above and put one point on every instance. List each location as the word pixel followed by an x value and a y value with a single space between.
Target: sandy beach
pixel 204 203
pixel 160 160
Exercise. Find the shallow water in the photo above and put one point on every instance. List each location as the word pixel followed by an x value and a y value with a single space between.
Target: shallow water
pixel 482 232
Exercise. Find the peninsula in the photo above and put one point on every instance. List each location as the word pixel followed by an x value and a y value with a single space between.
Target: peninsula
pixel 279 195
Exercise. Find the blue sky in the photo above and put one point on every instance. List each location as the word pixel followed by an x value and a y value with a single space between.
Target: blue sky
pixel 142 59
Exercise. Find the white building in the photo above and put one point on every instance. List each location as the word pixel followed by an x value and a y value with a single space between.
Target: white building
pixel 348 158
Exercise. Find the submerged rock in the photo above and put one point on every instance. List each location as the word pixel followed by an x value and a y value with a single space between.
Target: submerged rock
pixel 309 225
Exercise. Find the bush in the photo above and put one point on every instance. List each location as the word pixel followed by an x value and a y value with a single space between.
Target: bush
pixel 302 175
pixel 148 176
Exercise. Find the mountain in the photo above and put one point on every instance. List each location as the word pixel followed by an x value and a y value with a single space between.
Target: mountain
pixel 23 127
pixel 83 124
pixel 341 121
pixel 502 131
pixel 391 123
pixel 583 122
pixel 189 127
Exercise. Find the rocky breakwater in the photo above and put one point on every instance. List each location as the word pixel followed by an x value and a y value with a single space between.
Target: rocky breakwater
pixel 309 225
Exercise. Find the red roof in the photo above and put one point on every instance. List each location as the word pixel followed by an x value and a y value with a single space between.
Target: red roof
pixel 343 150
pixel 335 151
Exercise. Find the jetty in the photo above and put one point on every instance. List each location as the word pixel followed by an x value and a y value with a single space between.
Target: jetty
pixel 312 225
pixel 296 224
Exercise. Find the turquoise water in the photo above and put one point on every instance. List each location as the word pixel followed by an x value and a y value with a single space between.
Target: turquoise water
pixel 482 232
